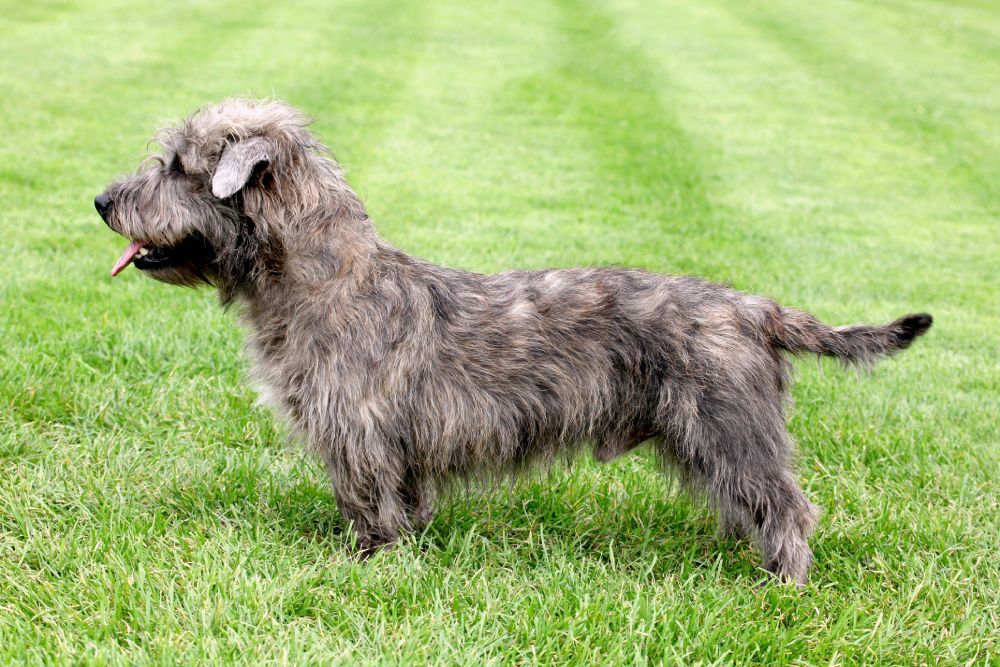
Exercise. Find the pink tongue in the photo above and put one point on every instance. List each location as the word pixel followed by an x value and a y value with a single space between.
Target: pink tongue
pixel 130 252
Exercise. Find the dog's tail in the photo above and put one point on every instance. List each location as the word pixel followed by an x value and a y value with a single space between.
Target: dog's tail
pixel 857 344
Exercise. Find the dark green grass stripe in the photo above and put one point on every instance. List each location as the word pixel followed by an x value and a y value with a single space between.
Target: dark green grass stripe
pixel 965 162
pixel 615 100
pixel 647 177
pixel 356 74
pixel 611 93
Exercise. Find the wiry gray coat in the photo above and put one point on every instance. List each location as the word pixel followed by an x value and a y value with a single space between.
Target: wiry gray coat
pixel 405 376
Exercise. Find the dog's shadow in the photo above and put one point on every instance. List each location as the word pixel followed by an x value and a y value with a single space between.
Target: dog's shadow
pixel 578 515
pixel 624 516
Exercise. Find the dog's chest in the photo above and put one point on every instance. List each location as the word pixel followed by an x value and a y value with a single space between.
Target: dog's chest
pixel 313 387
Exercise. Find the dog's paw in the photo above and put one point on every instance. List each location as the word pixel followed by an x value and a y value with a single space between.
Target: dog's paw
pixel 367 546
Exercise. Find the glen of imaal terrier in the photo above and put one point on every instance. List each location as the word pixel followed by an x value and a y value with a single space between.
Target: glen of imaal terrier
pixel 406 377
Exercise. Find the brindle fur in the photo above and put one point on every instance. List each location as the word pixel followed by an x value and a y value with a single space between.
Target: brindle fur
pixel 405 376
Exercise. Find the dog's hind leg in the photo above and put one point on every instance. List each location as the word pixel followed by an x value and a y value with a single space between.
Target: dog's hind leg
pixel 419 496
pixel 742 463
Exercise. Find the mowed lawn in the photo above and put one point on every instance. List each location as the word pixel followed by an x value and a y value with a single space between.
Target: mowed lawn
pixel 841 157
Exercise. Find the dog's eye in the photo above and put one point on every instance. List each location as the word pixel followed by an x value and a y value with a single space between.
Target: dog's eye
pixel 176 165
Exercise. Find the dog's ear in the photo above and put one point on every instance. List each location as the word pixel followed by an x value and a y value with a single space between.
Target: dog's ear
pixel 237 163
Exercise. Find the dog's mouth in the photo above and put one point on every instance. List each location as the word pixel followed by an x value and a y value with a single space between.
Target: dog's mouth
pixel 146 256
pixel 143 255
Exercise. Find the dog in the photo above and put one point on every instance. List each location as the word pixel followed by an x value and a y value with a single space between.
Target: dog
pixel 406 377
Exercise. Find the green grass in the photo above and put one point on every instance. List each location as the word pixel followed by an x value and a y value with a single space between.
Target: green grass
pixel 839 156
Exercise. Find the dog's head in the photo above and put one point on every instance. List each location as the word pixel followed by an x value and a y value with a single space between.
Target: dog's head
pixel 207 208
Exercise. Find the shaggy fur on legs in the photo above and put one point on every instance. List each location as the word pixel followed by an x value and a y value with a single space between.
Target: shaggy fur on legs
pixel 405 376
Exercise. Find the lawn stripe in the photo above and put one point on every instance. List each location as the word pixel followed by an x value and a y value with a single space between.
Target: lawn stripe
pixel 960 160
pixel 449 164
pixel 794 177
pixel 947 31
pixel 597 159
pixel 647 170
pixel 353 84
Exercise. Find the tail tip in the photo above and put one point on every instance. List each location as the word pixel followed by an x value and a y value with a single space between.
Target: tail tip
pixel 914 325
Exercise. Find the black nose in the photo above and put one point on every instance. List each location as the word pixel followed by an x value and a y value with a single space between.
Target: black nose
pixel 103 204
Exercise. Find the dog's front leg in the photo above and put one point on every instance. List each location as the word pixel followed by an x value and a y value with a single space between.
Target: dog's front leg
pixel 367 483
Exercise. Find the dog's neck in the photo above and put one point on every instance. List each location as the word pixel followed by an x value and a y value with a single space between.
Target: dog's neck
pixel 323 269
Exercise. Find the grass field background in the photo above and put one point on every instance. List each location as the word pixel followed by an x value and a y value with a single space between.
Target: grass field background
pixel 838 156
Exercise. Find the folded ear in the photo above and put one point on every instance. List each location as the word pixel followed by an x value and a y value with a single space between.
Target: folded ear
pixel 237 164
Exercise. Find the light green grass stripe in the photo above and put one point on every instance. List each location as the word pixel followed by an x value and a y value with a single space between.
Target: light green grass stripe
pixel 448 167
pixel 845 218
pixel 916 102
pixel 950 37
